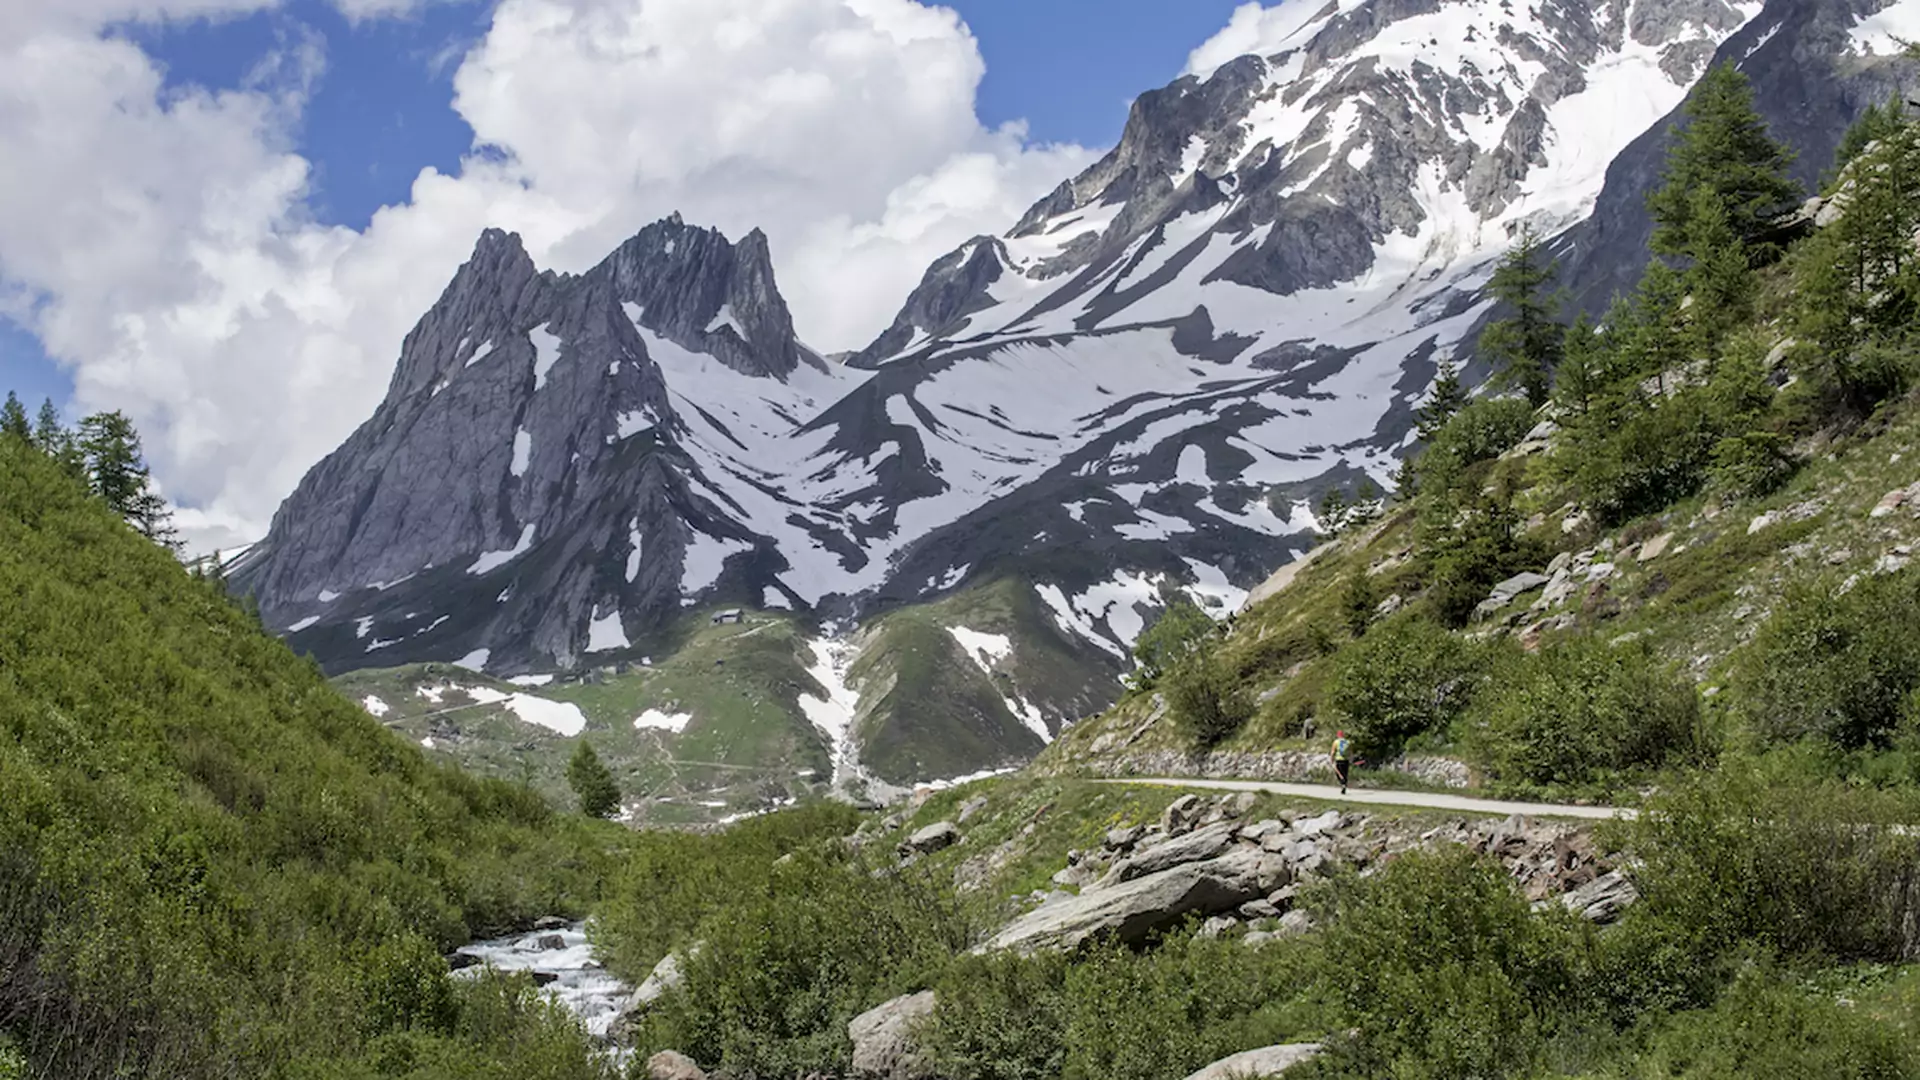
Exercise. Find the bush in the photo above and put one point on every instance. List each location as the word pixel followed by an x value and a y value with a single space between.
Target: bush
pixel 1179 631
pixel 1113 1014
pixel 1842 666
pixel 1407 677
pixel 1764 1025
pixel 1444 969
pixel 1484 430
pixel 1583 711
pixel 1629 457
pixel 1811 870
pixel 783 969
pixel 672 880
pixel 1208 700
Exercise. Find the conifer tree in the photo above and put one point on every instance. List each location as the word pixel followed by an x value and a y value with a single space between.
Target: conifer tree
pixel 592 784
pixel 118 474
pixel 1720 278
pixel 1445 399
pixel 54 440
pixel 1582 374
pixel 1724 148
pixel 1875 124
pixel 1525 346
pixel 13 419
pixel 1654 339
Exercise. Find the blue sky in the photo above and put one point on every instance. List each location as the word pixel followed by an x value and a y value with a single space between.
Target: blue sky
pixel 382 110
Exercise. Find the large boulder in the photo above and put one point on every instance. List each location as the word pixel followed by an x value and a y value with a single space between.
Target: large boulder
pixel 1267 1061
pixel 666 977
pixel 1134 910
pixel 933 838
pixel 883 1039
pixel 1196 846
pixel 673 1065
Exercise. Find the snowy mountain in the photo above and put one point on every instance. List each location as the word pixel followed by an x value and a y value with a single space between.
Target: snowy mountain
pixel 1144 383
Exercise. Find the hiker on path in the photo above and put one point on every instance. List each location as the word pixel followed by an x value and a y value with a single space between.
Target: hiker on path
pixel 1342 758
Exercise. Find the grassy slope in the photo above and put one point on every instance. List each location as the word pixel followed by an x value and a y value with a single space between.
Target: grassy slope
pixel 929 710
pixel 748 739
pixel 215 864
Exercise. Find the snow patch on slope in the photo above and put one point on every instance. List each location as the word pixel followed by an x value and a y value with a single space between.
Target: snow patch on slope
pixel 655 720
pixel 985 649
pixel 494 560
pixel 546 353
pixel 522 452
pixel 834 714
pixel 605 634
pixel 1876 34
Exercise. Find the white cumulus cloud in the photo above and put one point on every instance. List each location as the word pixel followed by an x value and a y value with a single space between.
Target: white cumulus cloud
pixel 1256 29
pixel 159 242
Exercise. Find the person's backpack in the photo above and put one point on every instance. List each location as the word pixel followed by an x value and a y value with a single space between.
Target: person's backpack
pixel 1340 747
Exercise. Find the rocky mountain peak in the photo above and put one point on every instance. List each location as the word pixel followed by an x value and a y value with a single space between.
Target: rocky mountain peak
pixel 707 294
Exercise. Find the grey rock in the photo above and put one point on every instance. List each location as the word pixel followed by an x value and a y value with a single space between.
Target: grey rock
pixel 936 837
pixel 1295 923
pixel 673 1065
pixel 1131 911
pixel 1518 585
pixel 1258 831
pixel 667 976
pixel 550 922
pixel 1180 815
pixel 1265 1062
pixel 1196 846
pixel 1321 825
pixel 1259 909
pixel 1253 939
pixel 1124 838
pixel 1217 927
pixel 970 808
pixel 1603 899
pixel 550 942
pixel 884 1043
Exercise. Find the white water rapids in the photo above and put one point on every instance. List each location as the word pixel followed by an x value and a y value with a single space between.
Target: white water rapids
pixel 587 990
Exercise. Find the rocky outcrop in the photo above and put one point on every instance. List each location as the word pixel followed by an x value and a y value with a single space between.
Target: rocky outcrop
pixel 884 1042
pixel 1265 1062
pixel 1133 911
pixel 936 837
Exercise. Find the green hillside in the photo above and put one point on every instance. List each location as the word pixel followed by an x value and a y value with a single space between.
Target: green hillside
pixel 215 865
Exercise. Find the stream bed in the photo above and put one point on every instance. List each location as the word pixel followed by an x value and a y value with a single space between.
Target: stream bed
pixel 578 981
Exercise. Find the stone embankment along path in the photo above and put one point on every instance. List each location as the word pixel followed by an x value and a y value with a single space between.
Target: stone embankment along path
pixel 1388 797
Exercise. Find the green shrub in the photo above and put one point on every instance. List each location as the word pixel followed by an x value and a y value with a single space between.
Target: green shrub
pixel 1179 631
pixel 1839 665
pixel 1764 1025
pixel 1002 1017
pixel 1444 970
pixel 1406 678
pixel 783 969
pixel 1631 455
pixel 671 881
pixel 1812 870
pixel 1483 430
pixel 1208 700
pixel 1582 711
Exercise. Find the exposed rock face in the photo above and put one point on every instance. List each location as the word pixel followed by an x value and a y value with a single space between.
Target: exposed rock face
pixel 935 837
pixel 884 1047
pixel 525 478
pixel 1134 910
pixel 1811 77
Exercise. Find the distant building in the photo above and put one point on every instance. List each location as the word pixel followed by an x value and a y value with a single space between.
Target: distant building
pixel 731 615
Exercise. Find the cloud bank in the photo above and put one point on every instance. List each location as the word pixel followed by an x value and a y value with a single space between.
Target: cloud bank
pixel 159 242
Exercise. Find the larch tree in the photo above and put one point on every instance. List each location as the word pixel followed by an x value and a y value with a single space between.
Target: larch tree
pixel 1525 346
pixel 1723 148
pixel 592 784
